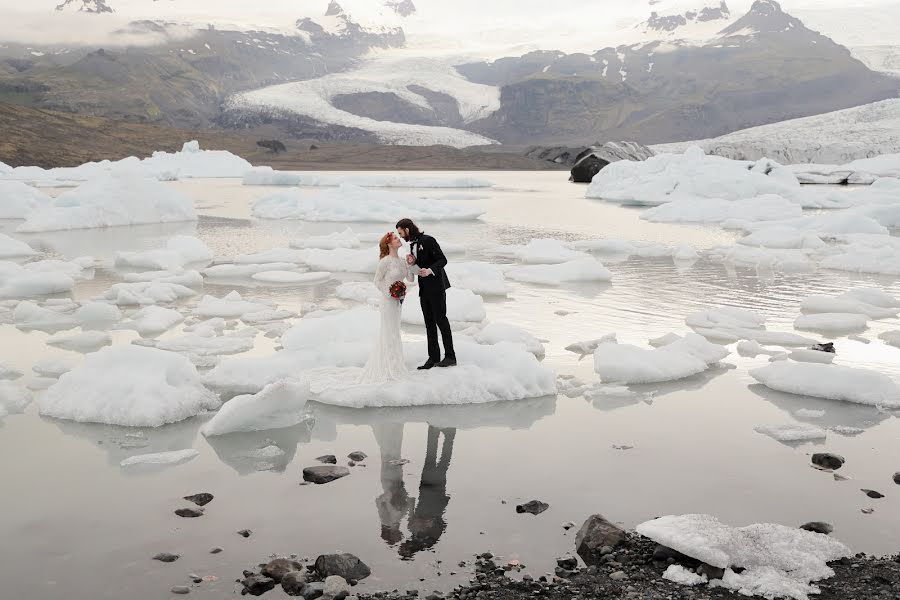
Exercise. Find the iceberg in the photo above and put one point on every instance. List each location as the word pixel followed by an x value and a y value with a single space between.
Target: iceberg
pixel 833 382
pixel 269 176
pixel 230 306
pixel 13 399
pixel 484 279
pixel 495 333
pixel 156 459
pixel 586 269
pixel 13 248
pixel 627 364
pixel 20 199
pixel 278 405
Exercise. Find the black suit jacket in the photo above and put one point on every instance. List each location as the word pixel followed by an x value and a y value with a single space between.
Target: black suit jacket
pixel 430 256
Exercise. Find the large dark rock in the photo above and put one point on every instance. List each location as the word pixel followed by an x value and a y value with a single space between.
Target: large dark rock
pixel 328 459
pixel 590 161
pixel 201 499
pixel 257 585
pixel 827 460
pixel 534 507
pixel 897 477
pixel 189 513
pixel 279 567
pixel 818 527
pixel 595 534
pixel 324 474
pixel 873 494
pixel 357 456
pixel 293 582
pixel 346 565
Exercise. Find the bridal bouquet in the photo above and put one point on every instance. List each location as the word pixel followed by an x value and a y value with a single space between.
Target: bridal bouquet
pixel 398 291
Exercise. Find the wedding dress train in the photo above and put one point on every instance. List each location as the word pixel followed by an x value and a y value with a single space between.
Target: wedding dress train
pixel 386 360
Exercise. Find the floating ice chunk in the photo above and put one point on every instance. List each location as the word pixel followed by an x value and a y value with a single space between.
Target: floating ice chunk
pixel 153 320
pixel 202 345
pixel 833 382
pixel 23 283
pixel 782 237
pixel 20 199
pixel 826 304
pixel 586 269
pixel 191 279
pixel 503 372
pixel 230 306
pixel 231 271
pixel 291 277
pixel 314 331
pixel 769 207
pixel 812 356
pixel 664 340
pixel 267 316
pixel 268 176
pixel 624 248
pixel 175 457
pixel 892 338
pixel 351 203
pixel 131 386
pixel 462 307
pixel 179 251
pixel 278 405
pixel 540 252
pixel 481 278
pixel 87 341
pixel 685 252
pixel 209 327
pixel 779 561
pixel 273 255
pixel 793 432
pixel 494 333
pixel 763 258
pixel 112 200
pixel 192 162
pixel 13 399
pixel 680 575
pixel 97 315
pixel 726 317
pixel 358 291
pixel 28 315
pixel 12 248
pixel 345 239
pixel 697 345
pixel 588 346
pixel 144 293
pixel 9 372
pixel 626 364
pixel 832 322
pixel 342 260
pixel 53 368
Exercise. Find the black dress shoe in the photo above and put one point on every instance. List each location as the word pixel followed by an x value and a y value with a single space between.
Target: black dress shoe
pixel 449 361
pixel 428 365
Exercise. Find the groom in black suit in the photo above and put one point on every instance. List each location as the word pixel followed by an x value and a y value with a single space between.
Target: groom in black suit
pixel 426 254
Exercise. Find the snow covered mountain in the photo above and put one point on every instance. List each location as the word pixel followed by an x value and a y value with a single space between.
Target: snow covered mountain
pixel 685 18
pixel 86 6
pixel 838 137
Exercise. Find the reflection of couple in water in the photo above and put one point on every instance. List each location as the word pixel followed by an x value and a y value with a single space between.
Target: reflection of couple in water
pixel 426 516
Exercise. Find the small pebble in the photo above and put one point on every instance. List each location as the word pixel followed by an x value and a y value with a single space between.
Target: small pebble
pixel 189 513
pixel 216 550
pixel 873 494
pixel 166 557
pixel 245 533
pixel 181 589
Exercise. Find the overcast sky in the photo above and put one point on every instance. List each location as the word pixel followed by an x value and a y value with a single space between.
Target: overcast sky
pixel 516 24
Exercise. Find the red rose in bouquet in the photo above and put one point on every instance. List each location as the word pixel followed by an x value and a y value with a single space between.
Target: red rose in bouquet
pixel 398 291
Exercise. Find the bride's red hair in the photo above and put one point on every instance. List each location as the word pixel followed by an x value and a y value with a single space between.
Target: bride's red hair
pixel 384 246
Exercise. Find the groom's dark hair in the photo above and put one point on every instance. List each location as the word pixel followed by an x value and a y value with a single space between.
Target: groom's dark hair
pixel 414 231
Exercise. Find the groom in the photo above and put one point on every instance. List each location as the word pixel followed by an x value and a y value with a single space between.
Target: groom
pixel 426 254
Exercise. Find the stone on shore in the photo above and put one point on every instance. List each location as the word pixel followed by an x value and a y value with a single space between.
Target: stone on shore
pixel 534 507
pixel 346 565
pixel 336 586
pixel 324 474
pixel 818 527
pixel 328 459
pixel 189 513
pixel 257 585
pixel 201 499
pixel 594 535
pixel 293 582
pixel 827 460
pixel 181 589
pixel 166 557
pixel 357 456
pixel 279 567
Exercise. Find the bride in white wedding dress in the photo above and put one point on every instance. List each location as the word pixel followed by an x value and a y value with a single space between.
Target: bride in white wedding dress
pixel 386 361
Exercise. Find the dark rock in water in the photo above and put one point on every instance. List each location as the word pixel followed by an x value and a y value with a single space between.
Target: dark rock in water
pixel 710 571
pixel 257 585
pixel 594 535
pixel 357 456
pixel 293 582
pixel 324 474
pixel 278 568
pixel 314 590
pixel 826 460
pixel 166 557
pixel 567 562
pixel 824 347
pixel 534 507
pixel 873 494
pixel 897 478
pixel 216 550
pixel 189 512
pixel 591 160
pixel 200 499
pixel 347 566
pixel 664 553
pixel 328 459
pixel 181 589
pixel 818 527
pixel 245 533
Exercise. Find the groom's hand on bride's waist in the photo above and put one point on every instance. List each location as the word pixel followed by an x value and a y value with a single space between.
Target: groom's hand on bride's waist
pixel 425 272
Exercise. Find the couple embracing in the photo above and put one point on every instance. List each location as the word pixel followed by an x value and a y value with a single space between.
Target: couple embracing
pixel 425 262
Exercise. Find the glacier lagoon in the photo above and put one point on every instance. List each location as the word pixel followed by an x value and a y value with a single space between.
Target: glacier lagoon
pixel 80 524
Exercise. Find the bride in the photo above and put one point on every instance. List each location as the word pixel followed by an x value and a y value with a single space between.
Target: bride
pixel 386 361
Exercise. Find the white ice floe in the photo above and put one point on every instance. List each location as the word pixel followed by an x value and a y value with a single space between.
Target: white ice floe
pixel 730 324
pixel 153 320
pixel 768 207
pixel 588 346
pixel 21 282
pixel 861 253
pixel 13 399
pixel 13 248
pixel 95 315
pixel 793 432
pixel 861 386
pixel 351 203
pixel 782 237
pixel 540 252
pixel 179 251
pixel 175 457
pixel 209 327
pixel 84 342
pixel 332 241
pixel 484 279
pixel 230 306
pixel 860 171
pixel 112 200
pixel 342 260
pixel 244 271
pixel 627 364
pixel 763 259
pixel 291 277
pixel 8 372
pixel 53 368
pixel 197 344
pixel 685 252
pixel 269 176
pixel 20 199
pixel 582 270
pixel 278 405
pixel 664 340
pixel 267 316
pixel 192 162
pixel 462 307
pixel 624 248
pixel 832 323
pixel 191 279
pixel 143 293
pixel 503 372
pixel 777 561
pixel 272 255
pixel 494 333
pixel 131 386
pixel 853 302
pixel 891 338
pixel 358 291
pixel 699 346
pixel 680 575
pixel 812 356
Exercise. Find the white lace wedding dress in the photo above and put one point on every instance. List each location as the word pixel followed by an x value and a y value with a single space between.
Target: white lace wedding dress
pixel 386 361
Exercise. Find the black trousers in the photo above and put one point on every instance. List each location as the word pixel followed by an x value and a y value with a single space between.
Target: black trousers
pixel 434 309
